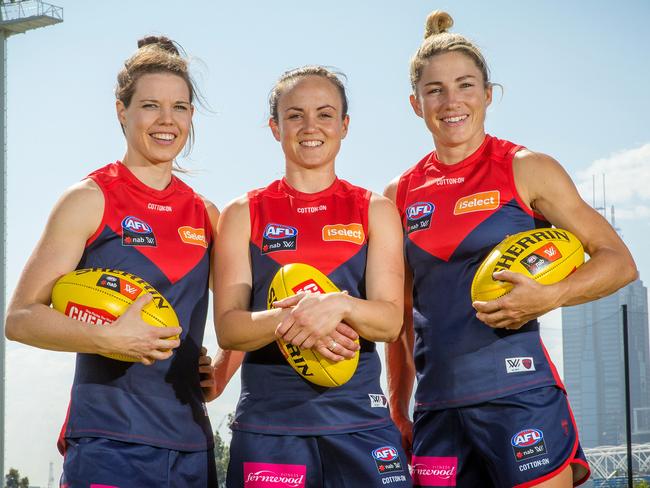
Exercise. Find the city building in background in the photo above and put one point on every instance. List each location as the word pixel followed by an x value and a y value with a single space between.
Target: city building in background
pixel 594 367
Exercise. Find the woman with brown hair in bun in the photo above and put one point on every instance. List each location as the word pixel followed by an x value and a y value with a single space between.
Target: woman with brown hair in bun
pixel 287 431
pixel 142 423
pixel 490 408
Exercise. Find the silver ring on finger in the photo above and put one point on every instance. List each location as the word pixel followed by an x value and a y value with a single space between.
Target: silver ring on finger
pixel 333 345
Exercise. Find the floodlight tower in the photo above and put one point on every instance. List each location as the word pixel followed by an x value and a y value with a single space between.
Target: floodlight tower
pixel 16 17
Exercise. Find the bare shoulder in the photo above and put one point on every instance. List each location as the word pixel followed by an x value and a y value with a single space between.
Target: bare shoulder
pixel 382 214
pixel 82 204
pixel 235 216
pixel 535 166
pixel 85 189
pixel 390 191
pixel 538 176
pixel 236 207
pixel 212 210
pixel 381 203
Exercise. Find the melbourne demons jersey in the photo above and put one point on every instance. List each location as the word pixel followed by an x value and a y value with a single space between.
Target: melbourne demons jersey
pixel 328 230
pixel 165 238
pixel 453 215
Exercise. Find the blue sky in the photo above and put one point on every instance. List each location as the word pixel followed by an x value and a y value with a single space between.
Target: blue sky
pixel 574 77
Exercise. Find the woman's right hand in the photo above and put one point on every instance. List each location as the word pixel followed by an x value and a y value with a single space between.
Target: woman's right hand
pixel 405 427
pixel 132 336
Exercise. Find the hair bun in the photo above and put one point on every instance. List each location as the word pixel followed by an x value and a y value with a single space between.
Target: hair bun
pixel 437 23
pixel 162 42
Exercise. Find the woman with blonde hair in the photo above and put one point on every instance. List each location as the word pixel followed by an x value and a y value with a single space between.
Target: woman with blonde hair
pixel 490 408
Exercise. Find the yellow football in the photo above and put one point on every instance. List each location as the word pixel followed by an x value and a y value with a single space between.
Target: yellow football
pixel 546 255
pixel 308 363
pixel 99 295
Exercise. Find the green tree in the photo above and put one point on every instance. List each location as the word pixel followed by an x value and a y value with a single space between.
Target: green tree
pixel 641 484
pixel 221 451
pixel 13 479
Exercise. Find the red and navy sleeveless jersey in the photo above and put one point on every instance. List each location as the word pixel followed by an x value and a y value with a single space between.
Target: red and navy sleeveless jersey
pixel 453 215
pixel 165 238
pixel 274 398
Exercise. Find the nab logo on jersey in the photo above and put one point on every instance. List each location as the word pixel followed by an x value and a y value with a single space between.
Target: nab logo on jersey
pixel 418 216
pixel 136 232
pixel 278 237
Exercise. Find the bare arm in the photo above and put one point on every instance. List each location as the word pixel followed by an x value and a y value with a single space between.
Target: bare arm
pixel 237 327
pixel 213 215
pixel 400 366
pixel 548 189
pixel 379 317
pixel 216 375
pixel 31 320
pixel 376 318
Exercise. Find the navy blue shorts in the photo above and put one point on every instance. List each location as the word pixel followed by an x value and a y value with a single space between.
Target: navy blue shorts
pixel 516 441
pixel 362 459
pixel 103 463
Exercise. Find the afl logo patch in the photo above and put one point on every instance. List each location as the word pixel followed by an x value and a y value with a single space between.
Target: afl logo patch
pixel 136 232
pixel 279 237
pixel 387 459
pixel 528 443
pixel 418 216
pixel 386 453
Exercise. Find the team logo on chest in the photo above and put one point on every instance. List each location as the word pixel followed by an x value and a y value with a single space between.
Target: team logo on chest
pixel 136 232
pixel 278 237
pixel 418 216
pixel 344 232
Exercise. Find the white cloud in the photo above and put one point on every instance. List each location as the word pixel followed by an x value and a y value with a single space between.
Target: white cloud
pixel 627 175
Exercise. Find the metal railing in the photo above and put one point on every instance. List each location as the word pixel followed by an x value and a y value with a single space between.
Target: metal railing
pixel 608 461
pixel 28 8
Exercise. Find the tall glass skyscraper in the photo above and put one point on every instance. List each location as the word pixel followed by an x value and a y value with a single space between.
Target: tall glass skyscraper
pixel 592 336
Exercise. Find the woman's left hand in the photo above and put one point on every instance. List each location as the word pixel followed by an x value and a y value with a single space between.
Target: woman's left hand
pixel 314 316
pixel 526 301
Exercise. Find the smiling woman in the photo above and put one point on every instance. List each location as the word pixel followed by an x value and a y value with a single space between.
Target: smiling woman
pixel 488 397
pixel 132 424
pixel 157 121
pixel 320 436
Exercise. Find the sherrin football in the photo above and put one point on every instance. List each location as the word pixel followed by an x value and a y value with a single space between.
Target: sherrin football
pixel 309 364
pixel 99 296
pixel 547 255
